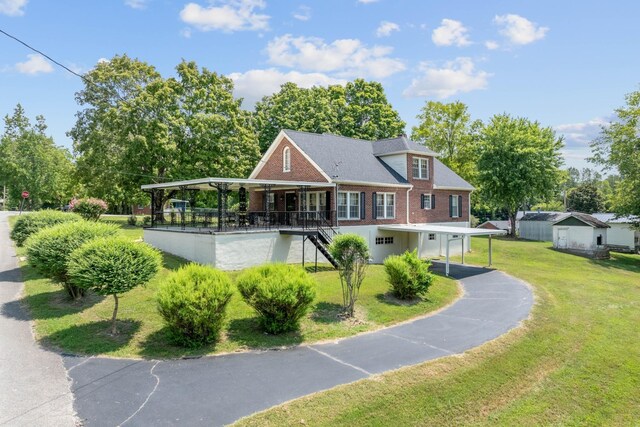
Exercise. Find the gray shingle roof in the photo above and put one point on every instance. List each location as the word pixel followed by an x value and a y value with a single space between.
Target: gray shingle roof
pixel 445 177
pixel 398 144
pixel 345 159
pixel 586 218
pixel 544 216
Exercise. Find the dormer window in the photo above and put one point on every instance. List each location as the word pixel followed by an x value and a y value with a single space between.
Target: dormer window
pixel 420 168
pixel 286 159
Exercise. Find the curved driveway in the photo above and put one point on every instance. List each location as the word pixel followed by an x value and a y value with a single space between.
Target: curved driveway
pixel 221 389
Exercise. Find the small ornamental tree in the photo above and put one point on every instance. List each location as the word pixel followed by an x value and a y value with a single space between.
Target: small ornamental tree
pixel 49 250
pixel 408 275
pixel 113 266
pixel 352 255
pixel 193 302
pixel 29 224
pixel 281 294
pixel 90 209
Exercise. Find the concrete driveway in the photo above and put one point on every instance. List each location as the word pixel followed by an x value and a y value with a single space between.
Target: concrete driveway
pixel 218 390
pixel 34 388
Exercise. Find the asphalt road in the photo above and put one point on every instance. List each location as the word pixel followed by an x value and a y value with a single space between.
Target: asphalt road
pixel 34 388
pixel 218 390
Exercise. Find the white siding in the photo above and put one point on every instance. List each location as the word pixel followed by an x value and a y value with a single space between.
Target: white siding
pixel 621 234
pixel 579 237
pixel 397 162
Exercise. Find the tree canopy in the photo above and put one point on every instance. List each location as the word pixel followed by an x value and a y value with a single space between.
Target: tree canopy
pixel 358 110
pixel 30 161
pixel 518 162
pixel 618 147
pixel 137 127
pixel 585 198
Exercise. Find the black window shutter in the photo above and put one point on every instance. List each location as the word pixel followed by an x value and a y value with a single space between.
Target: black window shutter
pixel 328 202
pixel 422 201
pixel 450 206
pixel 459 206
pixel 362 207
pixel 374 199
pixel 433 201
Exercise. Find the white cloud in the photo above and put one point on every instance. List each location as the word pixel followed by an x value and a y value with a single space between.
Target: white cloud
pixel 386 28
pixel 450 32
pixel 457 76
pixel 36 64
pixel 186 33
pixel 581 134
pixel 344 57
pixel 227 16
pixel 491 44
pixel 254 84
pixel 303 13
pixel 12 7
pixel 519 30
pixel 137 4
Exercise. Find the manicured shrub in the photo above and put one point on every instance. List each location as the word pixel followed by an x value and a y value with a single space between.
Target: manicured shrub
pixel 49 250
pixel 90 209
pixel 113 266
pixel 146 220
pixel 281 294
pixel 408 275
pixel 29 224
pixel 352 254
pixel 193 302
pixel 132 220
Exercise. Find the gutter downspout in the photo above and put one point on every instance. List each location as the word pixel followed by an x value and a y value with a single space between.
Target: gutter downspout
pixel 408 206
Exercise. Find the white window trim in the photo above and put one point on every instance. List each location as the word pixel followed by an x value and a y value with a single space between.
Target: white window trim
pixel 428 196
pixel 348 217
pixel 319 195
pixel 454 213
pixel 420 161
pixel 286 159
pixel 384 203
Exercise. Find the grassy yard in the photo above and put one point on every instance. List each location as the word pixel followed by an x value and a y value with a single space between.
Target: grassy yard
pixel 575 362
pixel 82 328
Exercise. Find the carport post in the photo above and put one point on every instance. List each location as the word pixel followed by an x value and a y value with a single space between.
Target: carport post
pixel 489 250
pixel 446 270
pixel 462 241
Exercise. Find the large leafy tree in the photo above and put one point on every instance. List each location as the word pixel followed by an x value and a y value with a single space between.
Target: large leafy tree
pixel 30 161
pixel 518 161
pixel 585 198
pixel 447 129
pixel 137 127
pixel 358 110
pixel 618 147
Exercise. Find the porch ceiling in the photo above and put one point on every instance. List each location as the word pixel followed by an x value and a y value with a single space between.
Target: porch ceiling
pixel 233 184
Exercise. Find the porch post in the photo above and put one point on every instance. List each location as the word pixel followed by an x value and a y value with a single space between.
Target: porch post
pixel 267 193
pixel 183 209
pixel 153 208
pixel 303 205
pixel 222 203
pixel 192 203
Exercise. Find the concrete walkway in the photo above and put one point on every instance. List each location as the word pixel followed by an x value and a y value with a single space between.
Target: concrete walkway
pixel 34 389
pixel 219 390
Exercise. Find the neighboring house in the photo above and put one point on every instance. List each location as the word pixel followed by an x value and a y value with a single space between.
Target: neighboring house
pixel 497 225
pixel 315 185
pixel 621 236
pixel 581 234
pixel 539 225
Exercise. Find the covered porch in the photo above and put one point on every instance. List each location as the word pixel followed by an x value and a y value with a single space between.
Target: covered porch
pixel 241 205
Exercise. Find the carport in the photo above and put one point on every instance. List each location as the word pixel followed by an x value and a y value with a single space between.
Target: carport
pixel 451 233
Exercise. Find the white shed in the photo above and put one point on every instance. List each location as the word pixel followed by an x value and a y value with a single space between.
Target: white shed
pixel 538 225
pixel 621 235
pixel 581 234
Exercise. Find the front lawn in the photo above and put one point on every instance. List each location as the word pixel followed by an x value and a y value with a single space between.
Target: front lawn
pixel 575 362
pixel 82 328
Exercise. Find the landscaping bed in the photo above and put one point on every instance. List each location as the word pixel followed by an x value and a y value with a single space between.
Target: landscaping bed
pixel 576 361
pixel 83 327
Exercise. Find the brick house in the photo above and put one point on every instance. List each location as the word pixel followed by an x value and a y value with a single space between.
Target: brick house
pixel 393 192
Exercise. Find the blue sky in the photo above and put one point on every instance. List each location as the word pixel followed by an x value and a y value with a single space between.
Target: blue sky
pixel 566 64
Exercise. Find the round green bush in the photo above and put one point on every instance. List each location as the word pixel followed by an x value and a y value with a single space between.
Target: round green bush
pixel 281 294
pixel 112 266
pixel 89 208
pixel 29 224
pixel 193 302
pixel 408 275
pixel 132 220
pixel 49 250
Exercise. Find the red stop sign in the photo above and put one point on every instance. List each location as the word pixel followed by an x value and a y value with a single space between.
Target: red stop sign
pixel 25 194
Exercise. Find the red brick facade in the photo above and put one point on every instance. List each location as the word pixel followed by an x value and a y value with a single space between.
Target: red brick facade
pixel 301 168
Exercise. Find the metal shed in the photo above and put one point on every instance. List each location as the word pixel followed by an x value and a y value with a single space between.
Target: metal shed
pixel 539 225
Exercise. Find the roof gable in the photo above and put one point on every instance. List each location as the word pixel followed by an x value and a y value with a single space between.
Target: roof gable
pixel 583 218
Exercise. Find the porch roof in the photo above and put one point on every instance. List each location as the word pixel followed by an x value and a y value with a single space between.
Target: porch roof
pixel 232 183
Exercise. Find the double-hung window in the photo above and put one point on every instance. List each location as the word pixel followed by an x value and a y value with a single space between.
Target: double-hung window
pixel 455 206
pixel 420 168
pixel 385 205
pixel 286 159
pixel 316 201
pixel 348 205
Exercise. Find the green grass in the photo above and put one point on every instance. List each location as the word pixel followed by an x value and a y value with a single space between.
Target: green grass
pixel 576 361
pixel 82 328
